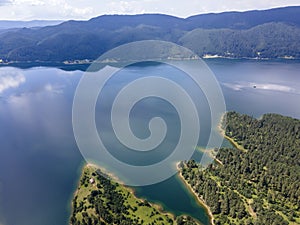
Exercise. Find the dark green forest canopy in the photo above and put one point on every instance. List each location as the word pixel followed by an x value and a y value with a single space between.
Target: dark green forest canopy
pixel 259 186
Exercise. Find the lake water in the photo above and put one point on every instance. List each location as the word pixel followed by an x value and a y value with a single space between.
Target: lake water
pixel 39 159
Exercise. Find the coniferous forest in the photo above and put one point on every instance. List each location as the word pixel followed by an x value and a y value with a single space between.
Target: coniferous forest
pixel 258 183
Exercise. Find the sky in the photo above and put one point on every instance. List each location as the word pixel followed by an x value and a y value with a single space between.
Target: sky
pixel 86 9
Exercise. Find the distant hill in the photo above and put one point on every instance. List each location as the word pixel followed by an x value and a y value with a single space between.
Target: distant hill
pixel 270 40
pixel 270 33
pixel 246 20
pixel 8 24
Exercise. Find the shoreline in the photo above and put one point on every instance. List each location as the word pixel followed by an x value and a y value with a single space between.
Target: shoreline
pixel 210 154
pixel 233 142
pixel 199 199
pixel 104 172
pixel 81 167
pixel 115 179
pixel 87 63
pixel 189 187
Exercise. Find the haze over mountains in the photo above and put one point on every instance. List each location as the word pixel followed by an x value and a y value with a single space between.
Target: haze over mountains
pixel 273 33
pixel 9 24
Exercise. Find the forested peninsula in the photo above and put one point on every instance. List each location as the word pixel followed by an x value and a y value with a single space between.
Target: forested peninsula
pixel 258 183
pixel 101 201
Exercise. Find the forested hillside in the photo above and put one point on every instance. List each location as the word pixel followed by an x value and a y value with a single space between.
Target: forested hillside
pixel 259 185
pixel 263 41
pixel 273 33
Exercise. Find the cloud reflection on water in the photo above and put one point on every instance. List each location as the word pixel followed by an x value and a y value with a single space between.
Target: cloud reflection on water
pixel 261 86
pixel 9 79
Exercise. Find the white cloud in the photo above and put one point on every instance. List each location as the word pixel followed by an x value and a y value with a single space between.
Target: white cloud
pixel 11 81
pixel 80 9
pixel 28 2
pixel 41 9
pixel 125 7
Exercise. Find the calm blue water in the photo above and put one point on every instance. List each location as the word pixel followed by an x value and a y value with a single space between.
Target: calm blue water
pixel 40 162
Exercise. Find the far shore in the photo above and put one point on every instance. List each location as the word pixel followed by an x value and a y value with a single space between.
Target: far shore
pixel 79 62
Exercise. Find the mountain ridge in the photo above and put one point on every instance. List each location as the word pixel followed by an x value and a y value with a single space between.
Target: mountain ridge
pixel 273 33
